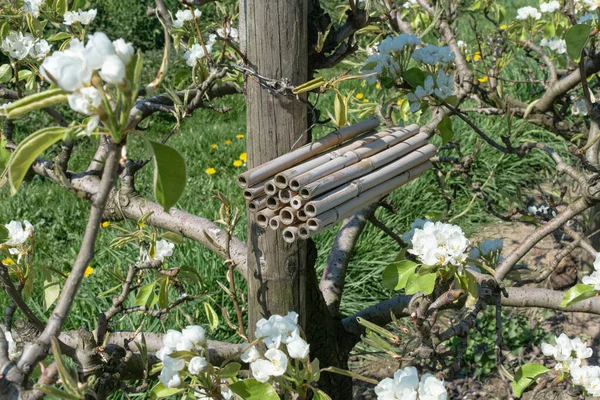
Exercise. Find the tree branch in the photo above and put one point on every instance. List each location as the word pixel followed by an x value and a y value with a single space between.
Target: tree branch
pixel 16 297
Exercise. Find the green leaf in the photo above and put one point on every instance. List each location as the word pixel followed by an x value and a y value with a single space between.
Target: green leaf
pixel 354 375
pixel 5 73
pixel 62 6
pixel 211 315
pixel 169 174
pixel 251 389
pixel 181 78
pixel 163 292
pixel 230 370
pixel 340 106
pixel 576 38
pixel 3 233
pixel 446 131
pixel 525 376
pixel 396 274
pixel 414 76
pixel 310 85
pixel 160 391
pixel 319 394
pixel 172 237
pixel 145 295
pixel 35 101
pixel 4 154
pixel 577 293
pixel 59 36
pixel 51 290
pixel 549 30
pixel 421 283
pixel 27 151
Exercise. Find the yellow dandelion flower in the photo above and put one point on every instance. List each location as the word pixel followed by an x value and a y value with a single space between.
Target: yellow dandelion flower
pixel 365 100
pixel 500 64
pixel 228 142
pixel 105 224
pixel 8 261
pixel 477 56
pixel 483 80
pixel 468 58
pixel 359 96
pixel 240 136
pixel 88 271
pixel 141 226
pixel 503 26
pixel 244 157
pixel 400 101
pixel 378 86
pixel 213 146
pixel 238 163
pixel 210 171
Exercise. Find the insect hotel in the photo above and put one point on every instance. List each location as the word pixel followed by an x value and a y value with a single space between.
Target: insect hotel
pixel 311 188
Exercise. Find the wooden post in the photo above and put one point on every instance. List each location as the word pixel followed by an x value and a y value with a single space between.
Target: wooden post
pixel 274 39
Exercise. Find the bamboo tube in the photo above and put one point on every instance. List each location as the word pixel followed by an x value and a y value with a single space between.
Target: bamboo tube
pixel 257 204
pixel 282 179
pixel 303 232
pixel 279 164
pixel 328 218
pixel 297 202
pixel 273 203
pixel 364 167
pixel 270 188
pixel 255 191
pixel 347 192
pixel 263 217
pixel 285 195
pixel 287 215
pixel 290 234
pixel 275 223
pixel 301 215
pixel 354 156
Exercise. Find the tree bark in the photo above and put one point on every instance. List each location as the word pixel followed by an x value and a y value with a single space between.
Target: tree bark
pixel 274 38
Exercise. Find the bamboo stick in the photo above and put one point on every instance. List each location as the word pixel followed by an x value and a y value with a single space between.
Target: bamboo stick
pixel 330 217
pixel 354 156
pixel 270 188
pixel 347 192
pixel 273 203
pixel 303 232
pixel 297 202
pixel 282 179
pixel 301 215
pixel 285 195
pixel 363 167
pixel 250 193
pixel 275 223
pixel 257 204
pixel 279 164
pixel 290 234
pixel 287 215
pixel 263 217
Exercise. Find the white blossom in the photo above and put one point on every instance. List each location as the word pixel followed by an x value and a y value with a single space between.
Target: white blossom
pixel 231 32
pixel 250 354
pixel 439 244
pixel 83 17
pixel 524 13
pixel 40 49
pixel 197 365
pixel 182 16
pixel 278 329
pixel 113 70
pixel 163 250
pixel 409 3
pixel 18 232
pixel 490 246
pixel 432 55
pixel 431 388
pixel 68 69
pixel 462 45
pixel 17 45
pixel 550 6
pixel 555 44
pixel 417 224
pixel 594 277
pixel 298 348
pixel 275 365
pixel 568 353
pixel 184 344
pixel 445 84
pixel 86 100
pixel 195 53
pixel 194 333
pixel 33 7
pixel 171 338
pixel 124 50
pixel 169 376
pixel 590 5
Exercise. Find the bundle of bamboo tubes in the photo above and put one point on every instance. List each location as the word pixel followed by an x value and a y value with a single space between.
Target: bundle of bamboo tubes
pixel 311 188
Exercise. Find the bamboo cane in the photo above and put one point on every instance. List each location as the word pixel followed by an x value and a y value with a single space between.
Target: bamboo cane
pixel 303 232
pixel 285 195
pixel 301 215
pixel 347 192
pixel 275 223
pixel 290 234
pixel 287 215
pixel 297 202
pixel 279 164
pixel 263 217
pixel 255 191
pixel 270 188
pixel 257 204
pixel 354 156
pixel 330 217
pixel 273 203
pixel 364 167
pixel 282 179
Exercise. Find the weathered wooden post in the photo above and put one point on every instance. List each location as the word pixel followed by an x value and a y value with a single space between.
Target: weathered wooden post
pixel 274 39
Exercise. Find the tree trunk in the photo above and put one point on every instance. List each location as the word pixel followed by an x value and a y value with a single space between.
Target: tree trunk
pixel 274 38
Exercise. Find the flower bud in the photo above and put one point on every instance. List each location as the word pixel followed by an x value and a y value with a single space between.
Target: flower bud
pixel 124 50
pixel 98 49
pixel 113 70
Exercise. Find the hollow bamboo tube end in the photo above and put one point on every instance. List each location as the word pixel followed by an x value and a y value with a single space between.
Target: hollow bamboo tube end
pixel 290 234
pixel 287 215
pixel 273 202
pixel 257 204
pixel 303 232
pixel 301 215
pixel 281 181
pixel 270 188
pixel 275 223
pixel 310 209
pixel 285 196
pixel 262 218
pixel 297 202
pixel 242 181
pixel 294 185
